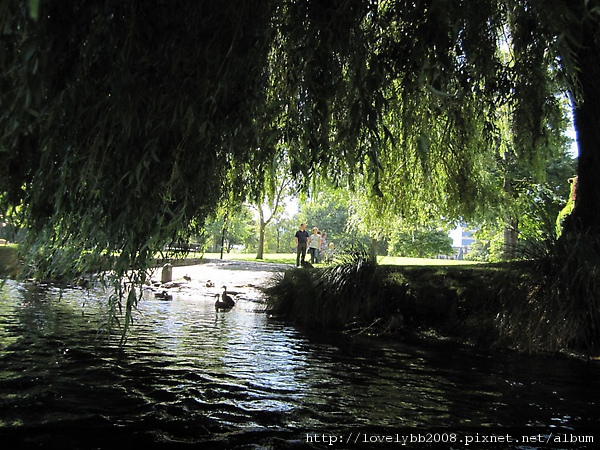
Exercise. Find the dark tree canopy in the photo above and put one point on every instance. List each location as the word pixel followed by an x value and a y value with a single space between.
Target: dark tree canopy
pixel 124 124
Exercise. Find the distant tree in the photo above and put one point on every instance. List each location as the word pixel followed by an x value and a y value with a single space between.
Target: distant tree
pixel 327 209
pixel 232 227
pixel 269 209
pixel 124 125
pixel 280 235
pixel 425 243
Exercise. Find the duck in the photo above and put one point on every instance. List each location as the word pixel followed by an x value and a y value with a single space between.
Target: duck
pixel 225 302
pixel 210 284
pixel 187 278
pixel 163 295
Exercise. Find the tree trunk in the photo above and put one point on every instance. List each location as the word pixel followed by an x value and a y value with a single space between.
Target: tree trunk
pixel 223 231
pixel 261 233
pixel 586 213
pixel 278 239
pixel 373 249
pixel 222 240
pixel 511 224
pixel 511 235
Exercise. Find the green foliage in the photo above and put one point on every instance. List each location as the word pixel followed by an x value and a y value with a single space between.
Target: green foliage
pixel 9 260
pixel 124 125
pixel 238 224
pixel 488 244
pixel 280 235
pixel 155 127
pixel 532 205
pixel 561 306
pixel 334 296
pixel 124 142
pixel 327 209
pixel 34 9
pixel 426 243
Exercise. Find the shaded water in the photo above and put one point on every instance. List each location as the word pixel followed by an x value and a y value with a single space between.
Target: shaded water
pixel 239 379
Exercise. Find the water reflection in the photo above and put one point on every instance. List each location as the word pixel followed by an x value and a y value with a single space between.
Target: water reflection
pixel 190 374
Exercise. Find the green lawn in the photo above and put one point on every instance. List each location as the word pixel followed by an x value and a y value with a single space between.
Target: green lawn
pixel 290 258
pixel 403 261
pixel 8 259
pixel 281 258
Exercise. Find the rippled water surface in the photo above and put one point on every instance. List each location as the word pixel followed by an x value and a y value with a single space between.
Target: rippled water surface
pixel 238 379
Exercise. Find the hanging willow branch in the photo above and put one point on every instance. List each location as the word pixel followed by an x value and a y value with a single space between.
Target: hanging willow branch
pixel 123 125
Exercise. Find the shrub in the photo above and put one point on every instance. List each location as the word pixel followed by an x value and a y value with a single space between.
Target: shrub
pixel 560 305
pixel 352 288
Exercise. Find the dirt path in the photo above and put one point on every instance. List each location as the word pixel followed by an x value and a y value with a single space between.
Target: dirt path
pixel 244 279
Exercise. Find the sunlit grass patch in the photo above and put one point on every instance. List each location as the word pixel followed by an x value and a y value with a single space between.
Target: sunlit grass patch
pixel 278 258
pixel 405 261
pixel 290 258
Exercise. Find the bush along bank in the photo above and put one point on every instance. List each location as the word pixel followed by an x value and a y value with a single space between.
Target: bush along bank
pixel 9 261
pixel 534 306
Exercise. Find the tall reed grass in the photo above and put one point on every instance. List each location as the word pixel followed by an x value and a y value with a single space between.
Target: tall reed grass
pixel 548 302
pixel 554 302
pixel 334 296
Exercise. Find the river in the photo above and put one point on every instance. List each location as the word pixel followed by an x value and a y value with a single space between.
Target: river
pixel 189 376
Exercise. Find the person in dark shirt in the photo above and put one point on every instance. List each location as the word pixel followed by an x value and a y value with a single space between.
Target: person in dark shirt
pixel 301 238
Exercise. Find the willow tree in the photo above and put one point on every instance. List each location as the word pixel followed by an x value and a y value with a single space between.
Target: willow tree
pixel 122 123
pixel 125 122
pixel 412 97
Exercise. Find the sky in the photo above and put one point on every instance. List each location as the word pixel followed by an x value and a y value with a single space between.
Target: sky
pixel 574 146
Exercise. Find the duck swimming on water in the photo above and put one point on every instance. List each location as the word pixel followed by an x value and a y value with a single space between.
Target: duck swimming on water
pixel 225 302
pixel 164 295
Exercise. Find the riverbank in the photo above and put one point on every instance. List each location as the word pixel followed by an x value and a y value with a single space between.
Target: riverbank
pixel 456 301
pixel 9 262
pixel 498 306
pixel 514 306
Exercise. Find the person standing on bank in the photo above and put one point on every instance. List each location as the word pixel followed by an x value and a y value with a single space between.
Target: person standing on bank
pixel 301 239
pixel 314 243
pixel 323 246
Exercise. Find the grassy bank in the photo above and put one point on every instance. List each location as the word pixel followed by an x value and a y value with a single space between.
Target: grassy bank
pixel 355 294
pixel 522 306
pixel 290 258
pixel 279 258
pixel 549 303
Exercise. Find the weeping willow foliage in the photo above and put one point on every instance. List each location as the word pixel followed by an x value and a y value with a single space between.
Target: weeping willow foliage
pixel 123 125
